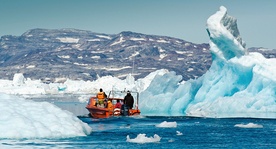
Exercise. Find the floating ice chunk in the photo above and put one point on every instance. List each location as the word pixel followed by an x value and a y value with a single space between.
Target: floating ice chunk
pixel 141 138
pixel 249 125
pixel 167 124
pixel 178 133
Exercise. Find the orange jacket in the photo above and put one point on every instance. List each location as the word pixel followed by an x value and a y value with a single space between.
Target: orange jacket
pixel 101 95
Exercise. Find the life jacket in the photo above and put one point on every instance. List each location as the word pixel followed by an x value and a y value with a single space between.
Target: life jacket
pixel 100 95
pixel 109 105
pixel 117 111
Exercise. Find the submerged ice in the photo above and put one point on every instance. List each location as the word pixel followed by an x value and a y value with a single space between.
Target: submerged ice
pixel 238 83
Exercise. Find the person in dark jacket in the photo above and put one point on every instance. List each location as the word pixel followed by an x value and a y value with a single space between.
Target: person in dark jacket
pixel 128 100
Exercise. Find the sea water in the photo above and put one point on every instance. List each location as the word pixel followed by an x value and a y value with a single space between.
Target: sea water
pixel 187 133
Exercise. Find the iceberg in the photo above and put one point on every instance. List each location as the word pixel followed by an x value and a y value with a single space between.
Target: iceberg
pixel 238 83
pixel 27 87
pixel 22 118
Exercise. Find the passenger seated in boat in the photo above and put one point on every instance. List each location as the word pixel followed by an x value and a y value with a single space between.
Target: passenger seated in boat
pixel 117 110
pixel 101 96
pixel 118 104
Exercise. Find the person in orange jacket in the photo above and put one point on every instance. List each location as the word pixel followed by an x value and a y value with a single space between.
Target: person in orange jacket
pixel 101 97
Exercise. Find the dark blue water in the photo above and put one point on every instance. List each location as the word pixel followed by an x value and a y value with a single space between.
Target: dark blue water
pixel 197 133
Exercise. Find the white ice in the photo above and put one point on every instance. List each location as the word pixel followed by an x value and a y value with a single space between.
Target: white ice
pixel 25 86
pixel 249 125
pixel 166 124
pixel 142 138
pixel 179 133
pixel 22 118
pixel 238 83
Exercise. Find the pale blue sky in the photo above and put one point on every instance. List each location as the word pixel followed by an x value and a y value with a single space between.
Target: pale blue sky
pixel 184 19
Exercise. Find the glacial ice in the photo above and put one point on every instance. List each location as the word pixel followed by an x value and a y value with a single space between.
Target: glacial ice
pixel 22 118
pixel 238 83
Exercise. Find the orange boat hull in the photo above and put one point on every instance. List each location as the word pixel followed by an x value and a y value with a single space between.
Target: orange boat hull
pixel 98 112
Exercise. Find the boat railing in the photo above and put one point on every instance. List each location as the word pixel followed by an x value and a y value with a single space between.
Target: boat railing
pixel 121 94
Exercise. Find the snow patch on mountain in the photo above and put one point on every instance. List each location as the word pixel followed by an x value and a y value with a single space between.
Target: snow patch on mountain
pixel 68 40
pixel 103 36
pixel 121 40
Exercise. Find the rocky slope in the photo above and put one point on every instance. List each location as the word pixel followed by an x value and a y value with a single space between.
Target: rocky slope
pixel 85 55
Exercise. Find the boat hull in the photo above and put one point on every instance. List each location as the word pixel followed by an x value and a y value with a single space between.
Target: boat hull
pixel 96 112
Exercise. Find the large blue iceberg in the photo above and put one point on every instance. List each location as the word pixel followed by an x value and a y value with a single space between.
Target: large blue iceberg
pixel 238 84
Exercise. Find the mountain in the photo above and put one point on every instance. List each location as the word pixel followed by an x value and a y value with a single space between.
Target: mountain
pixel 84 55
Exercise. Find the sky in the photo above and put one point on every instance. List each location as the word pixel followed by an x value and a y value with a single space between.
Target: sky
pixel 184 19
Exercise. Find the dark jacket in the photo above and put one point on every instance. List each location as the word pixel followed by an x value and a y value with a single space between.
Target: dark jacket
pixel 128 100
